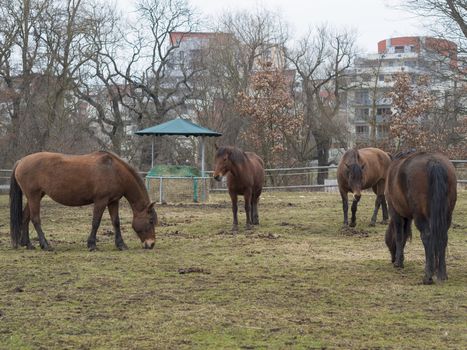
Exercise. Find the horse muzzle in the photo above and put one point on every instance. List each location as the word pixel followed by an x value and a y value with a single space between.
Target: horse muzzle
pixel 149 244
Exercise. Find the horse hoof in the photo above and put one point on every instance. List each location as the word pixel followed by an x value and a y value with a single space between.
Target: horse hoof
pixel 47 248
pixel 428 281
pixel 92 248
pixel 30 247
pixel 248 227
pixel 353 224
pixel 398 265
pixel 372 224
pixel 122 247
pixel 234 229
pixel 385 222
pixel 442 278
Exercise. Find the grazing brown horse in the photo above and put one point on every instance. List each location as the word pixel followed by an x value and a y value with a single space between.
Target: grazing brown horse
pixel 101 178
pixel 359 170
pixel 421 187
pixel 245 176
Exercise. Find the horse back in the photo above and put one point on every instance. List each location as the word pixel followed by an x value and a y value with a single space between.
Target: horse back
pixel 408 184
pixel 375 161
pixel 250 175
pixel 70 179
pixel 256 168
pixel 376 165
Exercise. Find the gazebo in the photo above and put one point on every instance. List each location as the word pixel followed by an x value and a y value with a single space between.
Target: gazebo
pixel 179 127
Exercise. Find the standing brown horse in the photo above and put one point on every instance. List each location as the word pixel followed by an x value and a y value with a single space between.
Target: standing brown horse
pixel 101 178
pixel 245 176
pixel 359 170
pixel 421 187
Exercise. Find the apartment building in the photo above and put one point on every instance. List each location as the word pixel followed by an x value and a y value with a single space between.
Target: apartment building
pixel 373 77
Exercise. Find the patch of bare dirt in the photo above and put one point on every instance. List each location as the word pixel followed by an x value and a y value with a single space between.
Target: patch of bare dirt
pixel 352 231
pixel 107 232
pixel 268 235
pixel 183 271
pixel 179 234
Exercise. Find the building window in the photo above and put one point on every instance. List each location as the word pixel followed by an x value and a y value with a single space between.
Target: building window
pixel 383 130
pixel 362 113
pixel 399 49
pixel 361 97
pixel 362 130
pixel 383 111
pixel 381 77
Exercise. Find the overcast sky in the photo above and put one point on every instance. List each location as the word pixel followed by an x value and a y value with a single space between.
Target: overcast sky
pixel 374 20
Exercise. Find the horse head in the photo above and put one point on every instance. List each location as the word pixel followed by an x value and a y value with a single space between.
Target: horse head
pixel 143 224
pixel 355 178
pixel 223 162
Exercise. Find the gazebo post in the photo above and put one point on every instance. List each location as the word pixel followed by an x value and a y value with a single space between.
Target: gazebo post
pixel 203 139
pixel 152 152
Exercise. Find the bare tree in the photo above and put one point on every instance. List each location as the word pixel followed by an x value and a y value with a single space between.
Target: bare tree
pixel 45 48
pixel 321 59
pixel 447 19
pixel 230 58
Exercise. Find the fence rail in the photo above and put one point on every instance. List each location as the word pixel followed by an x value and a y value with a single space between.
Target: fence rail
pixel 288 179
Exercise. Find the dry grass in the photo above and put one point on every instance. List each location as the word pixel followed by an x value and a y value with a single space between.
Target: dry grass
pixel 297 281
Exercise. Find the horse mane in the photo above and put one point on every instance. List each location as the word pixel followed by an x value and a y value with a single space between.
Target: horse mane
pixel 127 166
pixel 404 154
pixel 236 155
pixel 352 155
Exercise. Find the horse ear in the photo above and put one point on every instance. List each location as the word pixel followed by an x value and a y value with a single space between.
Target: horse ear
pixel 348 166
pixel 150 207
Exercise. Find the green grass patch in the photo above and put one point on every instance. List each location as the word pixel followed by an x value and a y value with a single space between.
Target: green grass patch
pixel 296 281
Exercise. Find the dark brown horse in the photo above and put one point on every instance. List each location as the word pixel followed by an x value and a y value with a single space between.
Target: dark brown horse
pixel 421 187
pixel 359 170
pixel 245 176
pixel 101 178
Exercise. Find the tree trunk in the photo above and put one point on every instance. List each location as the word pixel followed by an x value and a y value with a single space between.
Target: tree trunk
pixel 323 159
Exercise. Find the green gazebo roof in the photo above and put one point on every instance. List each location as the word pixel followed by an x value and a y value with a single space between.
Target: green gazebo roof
pixel 178 127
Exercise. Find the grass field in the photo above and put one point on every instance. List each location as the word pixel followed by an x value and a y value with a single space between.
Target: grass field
pixel 295 282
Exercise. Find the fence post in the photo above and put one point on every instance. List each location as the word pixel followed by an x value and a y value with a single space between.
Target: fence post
pixel 161 189
pixel 195 189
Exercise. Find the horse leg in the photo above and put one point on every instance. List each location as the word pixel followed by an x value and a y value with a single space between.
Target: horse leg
pixel 426 236
pixel 234 198
pixel 401 238
pixel 384 209
pixel 254 209
pixel 441 273
pixel 247 196
pixel 345 207
pixel 34 210
pixel 96 221
pixel 375 212
pixel 113 211
pixel 353 219
pixel 25 240
pixel 390 240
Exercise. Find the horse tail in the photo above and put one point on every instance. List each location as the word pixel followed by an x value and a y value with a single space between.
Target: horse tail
pixel 16 210
pixel 439 206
